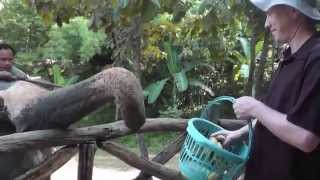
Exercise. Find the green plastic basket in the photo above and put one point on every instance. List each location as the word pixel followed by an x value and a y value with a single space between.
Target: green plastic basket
pixel 200 158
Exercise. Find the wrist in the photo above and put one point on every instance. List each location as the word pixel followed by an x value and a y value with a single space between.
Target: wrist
pixel 257 109
pixel 241 132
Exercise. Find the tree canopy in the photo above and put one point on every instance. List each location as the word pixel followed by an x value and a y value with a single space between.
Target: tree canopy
pixel 185 52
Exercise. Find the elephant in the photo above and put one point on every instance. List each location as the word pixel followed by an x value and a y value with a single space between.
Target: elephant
pixel 29 107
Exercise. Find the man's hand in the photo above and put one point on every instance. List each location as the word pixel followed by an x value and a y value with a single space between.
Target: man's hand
pixel 227 137
pixel 244 107
pixel 7 76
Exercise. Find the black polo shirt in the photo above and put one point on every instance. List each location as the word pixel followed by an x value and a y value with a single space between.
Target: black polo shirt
pixel 295 91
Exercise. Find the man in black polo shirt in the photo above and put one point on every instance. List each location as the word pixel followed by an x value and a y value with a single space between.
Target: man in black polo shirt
pixel 286 137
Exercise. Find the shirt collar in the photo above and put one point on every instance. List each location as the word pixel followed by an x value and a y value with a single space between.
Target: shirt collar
pixel 302 51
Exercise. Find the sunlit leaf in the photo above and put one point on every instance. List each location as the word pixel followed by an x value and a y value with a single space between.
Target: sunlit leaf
pixel 259 47
pixel 244 71
pixel 156 2
pixel 57 75
pixel 245 44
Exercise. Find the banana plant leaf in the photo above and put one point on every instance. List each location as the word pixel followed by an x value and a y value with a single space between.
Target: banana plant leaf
pixel 173 61
pixel 181 81
pixel 245 44
pixel 153 91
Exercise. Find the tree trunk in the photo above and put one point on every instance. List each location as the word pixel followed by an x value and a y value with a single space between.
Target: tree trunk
pixel 250 89
pixel 135 43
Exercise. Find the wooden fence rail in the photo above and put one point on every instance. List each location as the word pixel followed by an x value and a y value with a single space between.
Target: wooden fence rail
pixel 84 140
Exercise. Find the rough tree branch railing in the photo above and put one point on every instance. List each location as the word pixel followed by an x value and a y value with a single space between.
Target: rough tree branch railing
pixel 49 138
pixel 165 155
pixel 88 135
pixel 133 159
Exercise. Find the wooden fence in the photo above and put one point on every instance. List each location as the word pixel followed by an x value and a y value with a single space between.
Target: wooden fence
pixel 85 141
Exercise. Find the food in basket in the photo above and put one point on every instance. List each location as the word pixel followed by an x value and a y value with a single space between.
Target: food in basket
pixel 220 164
pixel 215 140
pixel 214 176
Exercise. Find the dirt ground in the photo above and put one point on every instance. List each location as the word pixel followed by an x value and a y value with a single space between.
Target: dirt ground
pixel 105 167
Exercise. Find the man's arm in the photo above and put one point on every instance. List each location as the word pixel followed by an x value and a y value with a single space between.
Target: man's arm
pixel 7 76
pixel 245 129
pixel 19 73
pixel 278 124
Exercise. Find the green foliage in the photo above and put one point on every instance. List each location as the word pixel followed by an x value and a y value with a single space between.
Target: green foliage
pixel 181 81
pixel 153 90
pixel 197 83
pixel 156 2
pixel 245 57
pixel 105 114
pixel 69 48
pixel 245 44
pixel 177 73
pixel 173 61
pixel 188 50
pixel 175 67
pixel 59 79
pixel 154 142
pixel 21 26
pixel 73 41
pixel 171 112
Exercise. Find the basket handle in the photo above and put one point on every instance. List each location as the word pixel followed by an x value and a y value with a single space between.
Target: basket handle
pixel 222 99
pixel 218 101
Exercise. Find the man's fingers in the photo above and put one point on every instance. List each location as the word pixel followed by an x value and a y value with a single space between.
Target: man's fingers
pixel 222 132
pixel 227 142
pixel 220 138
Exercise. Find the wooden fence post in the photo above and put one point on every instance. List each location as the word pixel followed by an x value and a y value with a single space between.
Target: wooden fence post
pixel 86 158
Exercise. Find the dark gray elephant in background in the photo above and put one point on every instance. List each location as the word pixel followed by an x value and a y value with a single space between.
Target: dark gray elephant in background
pixel 32 107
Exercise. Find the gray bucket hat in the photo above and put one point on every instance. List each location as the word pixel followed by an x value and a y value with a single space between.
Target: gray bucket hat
pixel 300 5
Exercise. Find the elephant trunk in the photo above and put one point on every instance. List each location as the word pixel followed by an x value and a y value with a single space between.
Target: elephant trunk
pixel 62 107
